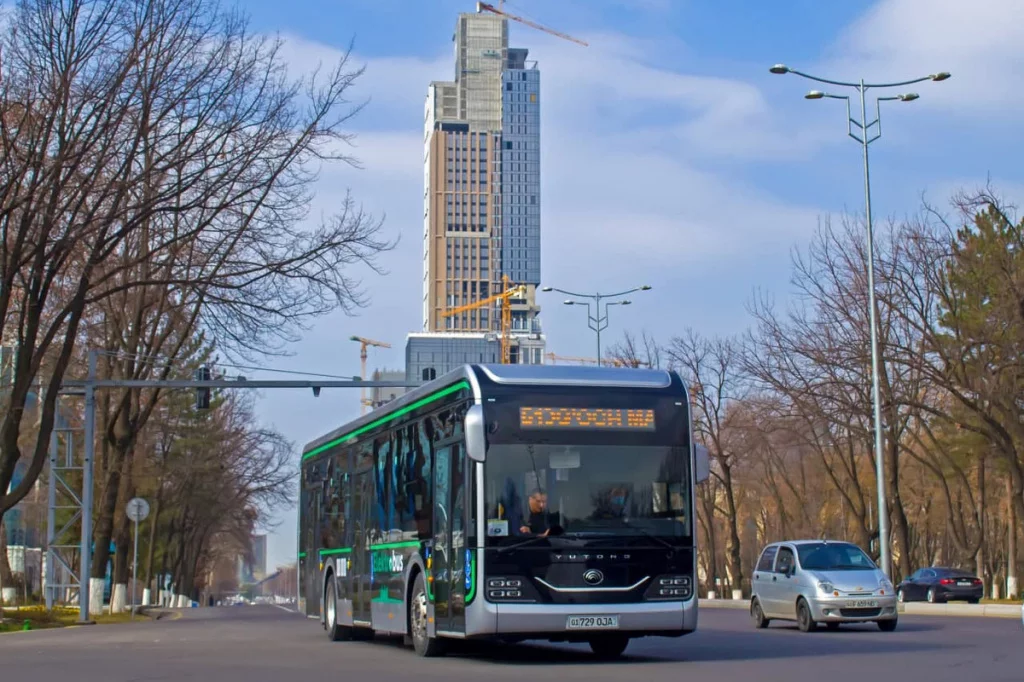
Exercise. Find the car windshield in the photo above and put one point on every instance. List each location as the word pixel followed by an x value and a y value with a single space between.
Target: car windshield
pixel 830 556
pixel 586 491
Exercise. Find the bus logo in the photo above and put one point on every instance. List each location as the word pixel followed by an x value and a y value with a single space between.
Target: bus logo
pixel 593 577
pixel 385 563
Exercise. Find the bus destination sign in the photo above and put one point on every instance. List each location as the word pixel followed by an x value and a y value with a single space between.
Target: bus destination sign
pixel 586 418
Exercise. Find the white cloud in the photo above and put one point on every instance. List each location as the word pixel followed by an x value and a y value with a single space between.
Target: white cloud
pixel 979 43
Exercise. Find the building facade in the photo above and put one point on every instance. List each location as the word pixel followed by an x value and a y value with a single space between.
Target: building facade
pixel 481 200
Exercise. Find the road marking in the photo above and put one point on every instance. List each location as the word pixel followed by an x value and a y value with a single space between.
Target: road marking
pixel 285 608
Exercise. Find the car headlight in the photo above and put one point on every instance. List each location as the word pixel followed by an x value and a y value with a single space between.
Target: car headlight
pixel 826 586
pixel 886 585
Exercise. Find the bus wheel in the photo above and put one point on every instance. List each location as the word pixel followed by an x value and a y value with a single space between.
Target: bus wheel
pixel 336 632
pixel 609 647
pixel 422 642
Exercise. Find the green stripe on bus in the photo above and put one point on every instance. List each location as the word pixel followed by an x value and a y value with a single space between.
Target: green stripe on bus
pixel 472 577
pixel 302 555
pixel 386 418
pixel 385 598
pixel 395 545
pixel 339 550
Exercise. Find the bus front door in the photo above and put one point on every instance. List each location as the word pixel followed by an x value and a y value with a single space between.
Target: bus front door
pixel 449 540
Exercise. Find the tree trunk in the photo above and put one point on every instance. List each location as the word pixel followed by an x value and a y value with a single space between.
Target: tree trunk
pixel 732 545
pixel 1012 589
pixel 8 590
pixel 897 514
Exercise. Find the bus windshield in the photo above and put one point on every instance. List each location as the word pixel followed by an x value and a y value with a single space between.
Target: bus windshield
pixel 586 491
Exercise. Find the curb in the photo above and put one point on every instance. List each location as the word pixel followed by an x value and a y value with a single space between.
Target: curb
pixel 911 609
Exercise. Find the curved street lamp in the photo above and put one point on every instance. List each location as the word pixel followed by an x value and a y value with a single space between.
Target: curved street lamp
pixel 860 130
pixel 596 319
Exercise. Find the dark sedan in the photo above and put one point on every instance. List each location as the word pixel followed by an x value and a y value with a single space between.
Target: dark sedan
pixel 938 585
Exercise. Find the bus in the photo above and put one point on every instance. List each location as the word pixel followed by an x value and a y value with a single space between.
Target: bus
pixel 511 503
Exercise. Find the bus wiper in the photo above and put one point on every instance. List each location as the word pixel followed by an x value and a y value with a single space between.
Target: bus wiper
pixel 522 543
pixel 650 535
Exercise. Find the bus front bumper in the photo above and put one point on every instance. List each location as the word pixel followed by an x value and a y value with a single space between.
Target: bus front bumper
pixel 580 621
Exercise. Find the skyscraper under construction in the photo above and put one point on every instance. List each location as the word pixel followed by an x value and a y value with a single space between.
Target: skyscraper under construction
pixel 481 217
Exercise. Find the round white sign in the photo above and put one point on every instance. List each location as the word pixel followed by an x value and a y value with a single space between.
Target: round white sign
pixel 137 509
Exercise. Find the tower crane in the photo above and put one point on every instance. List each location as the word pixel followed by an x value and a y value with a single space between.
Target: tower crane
pixel 617 362
pixel 483 6
pixel 508 292
pixel 363 344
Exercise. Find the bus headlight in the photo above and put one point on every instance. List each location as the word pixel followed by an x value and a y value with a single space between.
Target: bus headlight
pixel 671 587
pixel 510 588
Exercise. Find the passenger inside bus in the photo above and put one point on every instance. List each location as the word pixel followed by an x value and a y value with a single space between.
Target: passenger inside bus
pixel 611 504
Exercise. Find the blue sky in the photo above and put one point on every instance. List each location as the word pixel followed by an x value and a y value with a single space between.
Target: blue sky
pixel 671 157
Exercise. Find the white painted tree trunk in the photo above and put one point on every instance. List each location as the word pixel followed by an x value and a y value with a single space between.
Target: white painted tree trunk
pixel 1011 587
pixel 147 595
pixel 711 594
pixel 119 598
pixel 95 596
pixel 737 595
pixel 9 595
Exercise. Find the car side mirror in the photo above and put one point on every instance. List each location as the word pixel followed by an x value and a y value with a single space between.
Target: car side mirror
pixel 702 463
pixel 476 436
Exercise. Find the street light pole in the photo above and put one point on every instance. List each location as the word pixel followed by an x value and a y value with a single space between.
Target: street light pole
pixel 865 138
pixel 596 320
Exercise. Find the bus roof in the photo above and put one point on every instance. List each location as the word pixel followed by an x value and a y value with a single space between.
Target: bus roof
pixel 522 375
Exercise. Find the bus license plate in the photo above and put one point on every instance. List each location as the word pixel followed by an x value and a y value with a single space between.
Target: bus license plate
pixel 592 623
pixel 862 604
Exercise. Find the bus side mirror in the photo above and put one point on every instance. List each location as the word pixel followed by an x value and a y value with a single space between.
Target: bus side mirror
pixel 702 463
pixel 476 436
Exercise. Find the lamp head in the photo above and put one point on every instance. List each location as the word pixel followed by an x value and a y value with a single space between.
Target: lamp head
pixel 646 287
pixel 814 94
pixel 909 97
pixel 627 302
pixel 545 288
pixel 779 69
pixel 941 76
pixel 568 302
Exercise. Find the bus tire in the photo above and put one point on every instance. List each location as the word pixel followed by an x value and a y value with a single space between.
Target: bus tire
pixel 609 646
pixel 422 643
pixel 335 632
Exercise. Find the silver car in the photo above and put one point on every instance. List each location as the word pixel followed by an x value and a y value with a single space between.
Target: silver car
pixel 821 582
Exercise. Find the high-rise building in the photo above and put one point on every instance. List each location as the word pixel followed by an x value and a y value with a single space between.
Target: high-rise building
pixel 481 198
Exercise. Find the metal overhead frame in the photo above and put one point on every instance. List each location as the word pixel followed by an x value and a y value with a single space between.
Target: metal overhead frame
pixel 83 504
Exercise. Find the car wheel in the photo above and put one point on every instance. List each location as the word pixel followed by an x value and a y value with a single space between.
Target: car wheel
pixel 887 625
pixel 933 598
pixel 609 647
pixel 760 622
pixel 422 642
pixel 335 632
pixel 803 617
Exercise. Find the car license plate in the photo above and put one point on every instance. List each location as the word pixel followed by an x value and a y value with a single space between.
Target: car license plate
pixel 592 623
pixel 964 583
pixel 862 604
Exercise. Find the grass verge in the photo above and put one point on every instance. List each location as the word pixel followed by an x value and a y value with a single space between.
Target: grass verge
pixel 38 618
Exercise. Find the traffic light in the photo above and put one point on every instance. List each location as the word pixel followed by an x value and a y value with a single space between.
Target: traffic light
pixel 202 393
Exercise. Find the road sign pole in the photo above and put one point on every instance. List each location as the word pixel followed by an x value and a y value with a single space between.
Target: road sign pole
pixel 135 567
pixel 137 510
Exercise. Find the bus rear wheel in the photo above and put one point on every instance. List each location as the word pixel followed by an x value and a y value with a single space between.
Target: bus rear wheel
pixel 422 643
pixel 609 646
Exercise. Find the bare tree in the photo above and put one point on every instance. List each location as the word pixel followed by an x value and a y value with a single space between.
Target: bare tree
pixel 161 145
pixel 636 352
pixel 712 368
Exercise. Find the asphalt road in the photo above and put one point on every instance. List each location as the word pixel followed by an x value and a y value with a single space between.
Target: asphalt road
pixel 257 644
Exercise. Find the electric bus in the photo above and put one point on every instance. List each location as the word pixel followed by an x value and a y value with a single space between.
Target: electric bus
pixel 511 503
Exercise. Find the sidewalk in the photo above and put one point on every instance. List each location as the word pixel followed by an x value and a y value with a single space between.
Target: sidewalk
pixel 913 608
